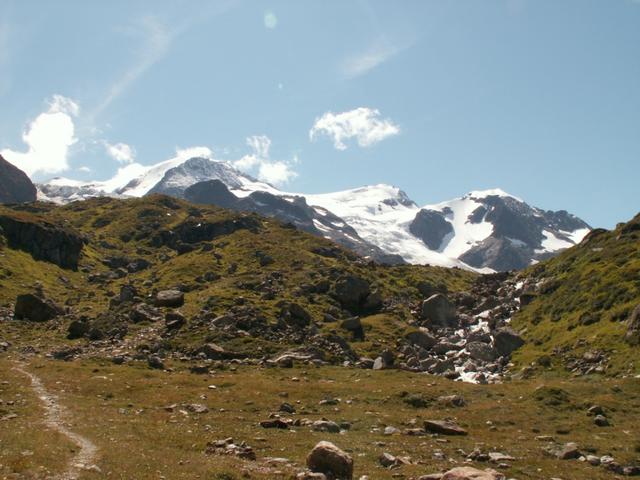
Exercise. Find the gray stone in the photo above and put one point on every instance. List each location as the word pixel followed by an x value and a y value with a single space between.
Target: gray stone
pixel 332 461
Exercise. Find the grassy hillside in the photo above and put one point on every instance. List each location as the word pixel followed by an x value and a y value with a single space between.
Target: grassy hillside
pixel 241 261
pixel 583 301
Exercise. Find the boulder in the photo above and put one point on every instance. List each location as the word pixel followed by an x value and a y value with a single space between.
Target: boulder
pixel 35 308
pixel 127 293
pixel 142 312
pixel 470 473
pixel 481 351
pixel 326 426
pixel 373 302
pixel 351 291
pixel 78 329
pixel 444 427
pixel 155 362
pixel 328 459
pixel 174 320
pixel 507 341
pixel 422 338
pixel 169 298
pixel 295 314
pixel 438 311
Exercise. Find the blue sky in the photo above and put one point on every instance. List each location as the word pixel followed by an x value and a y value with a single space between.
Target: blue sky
pixel 538 97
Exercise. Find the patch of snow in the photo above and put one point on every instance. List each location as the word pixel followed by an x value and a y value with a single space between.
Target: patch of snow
pixel 552 243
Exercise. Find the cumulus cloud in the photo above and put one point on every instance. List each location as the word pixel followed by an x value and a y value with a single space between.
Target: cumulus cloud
pixel 276 172
pixel 120 152
pixel 48 139
pixel 363 124
pixel 84 169
pixel 192 152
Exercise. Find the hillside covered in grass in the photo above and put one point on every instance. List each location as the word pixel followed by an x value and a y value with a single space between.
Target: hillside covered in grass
pixel 279 288
pixel 581 310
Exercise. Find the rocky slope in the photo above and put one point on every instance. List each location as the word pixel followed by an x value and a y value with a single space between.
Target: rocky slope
pixel 165 277
pixel 15 186
pixel 159 278
pixel 484 231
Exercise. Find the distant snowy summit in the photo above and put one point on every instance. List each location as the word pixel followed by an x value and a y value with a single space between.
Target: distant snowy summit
pixel 487 230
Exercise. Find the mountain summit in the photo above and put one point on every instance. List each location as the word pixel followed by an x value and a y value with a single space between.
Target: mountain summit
pixel 487 230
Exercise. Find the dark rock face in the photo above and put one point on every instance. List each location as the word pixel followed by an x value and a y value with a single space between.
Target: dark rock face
pixel 35 308
pixel 43 240
pixel 430 227
pixel 212 192
pixel 15 186
pixel 518 233
pixel 499 254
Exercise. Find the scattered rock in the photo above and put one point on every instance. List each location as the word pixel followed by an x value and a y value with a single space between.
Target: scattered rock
pixel 169 298
pixel 274 423
pixel 444 427
pixel 326 426
pixel 452 401
pixel 155 362
pixel 470 473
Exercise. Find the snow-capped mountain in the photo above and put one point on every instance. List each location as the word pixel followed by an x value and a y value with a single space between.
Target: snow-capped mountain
pixel 483 230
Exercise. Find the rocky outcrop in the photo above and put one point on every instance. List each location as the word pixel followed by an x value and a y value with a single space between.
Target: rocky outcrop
pixel 501 254
pixel 518 233
pixel 431 227
pixel 43 240
pixel 15 186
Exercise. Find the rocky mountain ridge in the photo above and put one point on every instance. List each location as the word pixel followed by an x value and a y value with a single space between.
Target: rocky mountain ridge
pixel 15 185
pixel 484 230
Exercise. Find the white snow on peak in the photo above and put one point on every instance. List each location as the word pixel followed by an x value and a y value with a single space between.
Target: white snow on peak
pixel 381 214
pixel 465 234
pixel 66 182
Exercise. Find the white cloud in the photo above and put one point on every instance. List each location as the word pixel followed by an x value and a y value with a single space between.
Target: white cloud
pixel 362 124
pixel 376 54
pixel 48 139
pixel 191 152
pixel 84 169
pixel 276 173
pixel 120 152
pixel 271 171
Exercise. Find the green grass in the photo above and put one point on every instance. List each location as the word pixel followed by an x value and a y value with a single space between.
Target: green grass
pixel 122 409
pixel 587 294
